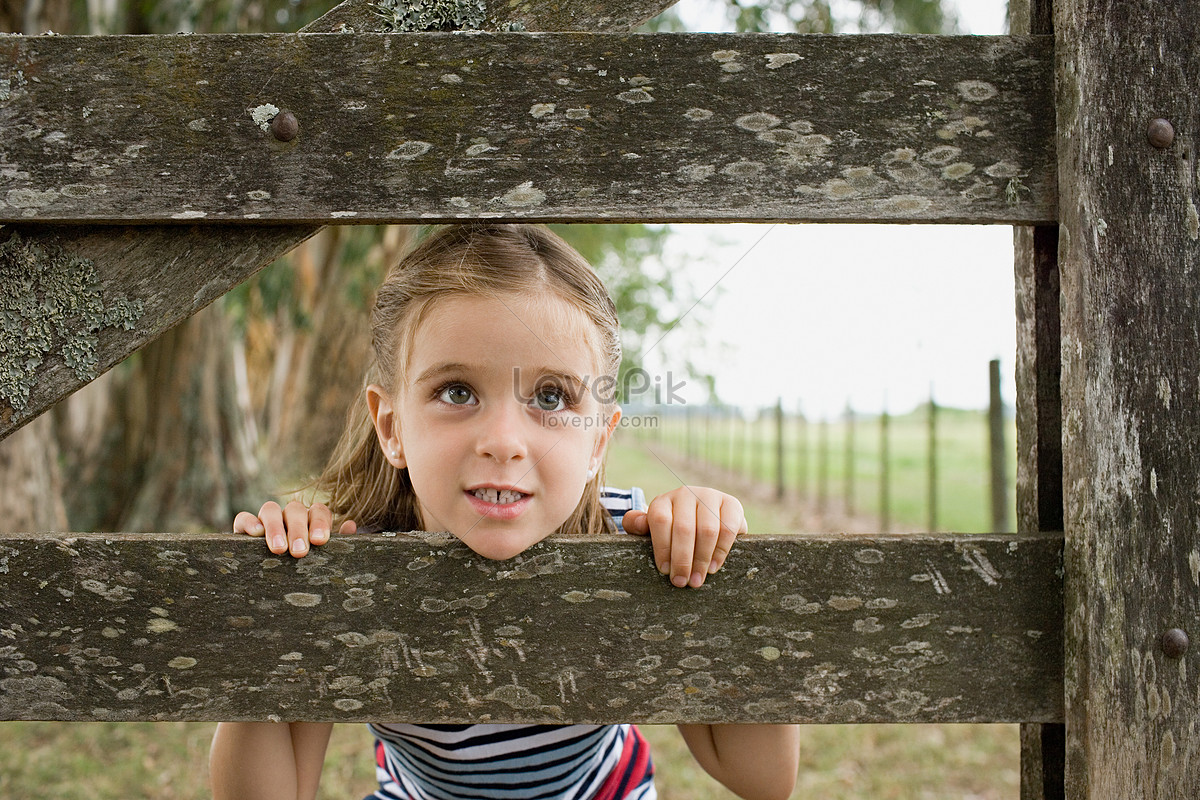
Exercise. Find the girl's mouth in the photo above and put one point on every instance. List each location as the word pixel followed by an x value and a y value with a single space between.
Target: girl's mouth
pixel 498 496
pixel 497 503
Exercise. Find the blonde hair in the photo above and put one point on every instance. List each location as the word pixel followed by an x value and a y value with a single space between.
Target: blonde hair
pixel 458 260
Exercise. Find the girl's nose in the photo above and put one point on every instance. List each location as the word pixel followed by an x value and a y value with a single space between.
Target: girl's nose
pixel 501 433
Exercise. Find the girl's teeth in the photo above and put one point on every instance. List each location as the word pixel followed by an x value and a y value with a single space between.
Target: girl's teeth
pixel 497 496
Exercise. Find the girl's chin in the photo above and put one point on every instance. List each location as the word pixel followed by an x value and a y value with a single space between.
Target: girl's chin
pixel 499 546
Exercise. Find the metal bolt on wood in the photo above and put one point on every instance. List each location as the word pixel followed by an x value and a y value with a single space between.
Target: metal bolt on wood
pixel 285 126
pixel 1175 643
pixel 1161 133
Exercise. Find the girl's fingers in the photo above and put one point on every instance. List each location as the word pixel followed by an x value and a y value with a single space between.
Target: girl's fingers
pixel 348 527
pixel 271 516
pixel 636 522
pixel 247 523
pixel 295 516
pixel 320 523
pixel 733 524
pixel 709 523
pixel 683 541
pixel 658 522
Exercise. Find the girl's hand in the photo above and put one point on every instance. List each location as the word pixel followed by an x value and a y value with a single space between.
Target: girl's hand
pixel 290 529
pixel 692 529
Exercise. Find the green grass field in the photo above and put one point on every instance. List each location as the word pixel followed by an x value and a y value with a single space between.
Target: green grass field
pixel 963 493
pixel 167 761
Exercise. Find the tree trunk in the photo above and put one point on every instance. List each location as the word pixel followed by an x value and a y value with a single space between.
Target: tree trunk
pixel 187 460
pixel 328 359
pixel 32 496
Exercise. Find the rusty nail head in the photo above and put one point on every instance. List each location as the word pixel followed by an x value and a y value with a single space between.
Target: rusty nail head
pixel 1175 643
pixel 284 126
pixel 1160 133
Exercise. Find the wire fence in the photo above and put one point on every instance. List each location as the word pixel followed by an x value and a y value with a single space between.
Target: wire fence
pixel 932 468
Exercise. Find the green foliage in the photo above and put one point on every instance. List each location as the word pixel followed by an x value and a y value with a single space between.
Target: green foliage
pixel 652 300
pixel 818 16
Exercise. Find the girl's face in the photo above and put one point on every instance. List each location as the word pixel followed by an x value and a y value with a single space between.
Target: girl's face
pixel 495 418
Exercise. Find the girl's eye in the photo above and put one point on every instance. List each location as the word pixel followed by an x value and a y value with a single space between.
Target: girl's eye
pixel 456 394
pixel 550 398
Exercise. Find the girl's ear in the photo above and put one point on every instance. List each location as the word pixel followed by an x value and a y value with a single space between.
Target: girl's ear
pixel 387 425
pixel 602 440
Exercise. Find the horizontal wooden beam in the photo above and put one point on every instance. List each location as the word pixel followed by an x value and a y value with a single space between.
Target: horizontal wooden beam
pixel 416 627
pixel 122 286
pixel 556 127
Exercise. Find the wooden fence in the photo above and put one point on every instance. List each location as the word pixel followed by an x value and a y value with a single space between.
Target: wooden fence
pixel 141 178
pixel 858 465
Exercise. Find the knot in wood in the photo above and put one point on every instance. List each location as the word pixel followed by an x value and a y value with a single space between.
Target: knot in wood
pixel 285 126
pixel 1175 643
pixel 1161 133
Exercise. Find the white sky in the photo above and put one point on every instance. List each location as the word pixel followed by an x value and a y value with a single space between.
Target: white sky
pixel 822 314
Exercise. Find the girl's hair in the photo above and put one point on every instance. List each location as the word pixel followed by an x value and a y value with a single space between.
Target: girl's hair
pixel 459 260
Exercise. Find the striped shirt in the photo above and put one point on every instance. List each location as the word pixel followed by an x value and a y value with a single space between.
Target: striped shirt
pixel 512 762
pixel 517 762
pixel 618 501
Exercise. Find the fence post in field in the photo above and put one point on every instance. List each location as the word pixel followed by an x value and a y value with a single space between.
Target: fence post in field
pixel 730 421
pixel 932 462
pixel 848 466
pixel 802 455
pixel 779 449
pixel 659 417
pixel 997 456
pixel 707 456
pixel 756 453
pixel 885 510
pixel 736 443
pixel 822 465
pixel 688 439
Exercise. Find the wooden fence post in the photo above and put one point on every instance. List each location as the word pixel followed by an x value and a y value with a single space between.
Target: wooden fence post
pixel 1128 95
pixel 822 465
pixel 848 465
pixel 885 500
pixel 779 460
pixel 756 446
pixel 931 463
pixel 802 435
pixel 689 441
pixel 997 460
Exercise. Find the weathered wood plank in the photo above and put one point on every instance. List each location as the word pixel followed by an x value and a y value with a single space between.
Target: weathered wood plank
pixel 530 15
pixel 580 127
pixel 419 628
pixel 123 268
pixel 1039 455
pixel 68 319
pixel 1129 254
pixel 1039 421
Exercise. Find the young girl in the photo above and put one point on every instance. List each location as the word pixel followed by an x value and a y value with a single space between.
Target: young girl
pixel 486 421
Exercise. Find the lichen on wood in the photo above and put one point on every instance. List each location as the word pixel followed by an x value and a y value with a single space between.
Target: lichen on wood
pixel 431 15
pixel 51 303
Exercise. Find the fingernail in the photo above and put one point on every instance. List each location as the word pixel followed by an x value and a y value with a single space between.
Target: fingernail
pixel 697 579
pixel 664 567
pixel 298 547
pixel 680 581
pixel 257 529
pixel 318 535
pixel 278 545
pixel 714 566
